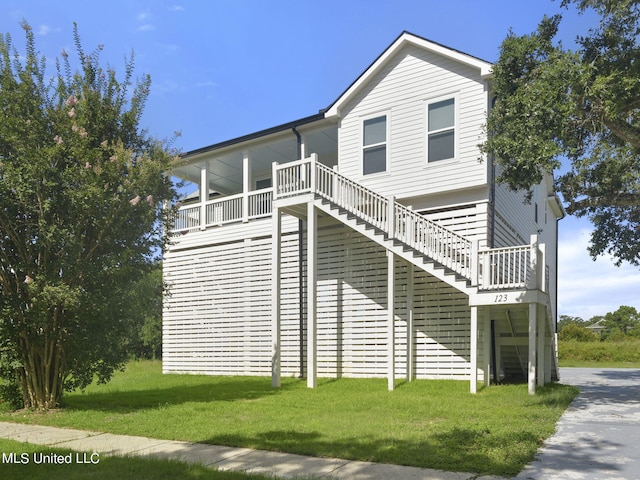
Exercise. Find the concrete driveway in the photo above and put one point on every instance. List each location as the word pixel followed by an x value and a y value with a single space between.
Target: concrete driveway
pixel 598 437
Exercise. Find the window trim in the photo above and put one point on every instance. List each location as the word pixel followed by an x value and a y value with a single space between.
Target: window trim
pixel 455 127
pixel 386 143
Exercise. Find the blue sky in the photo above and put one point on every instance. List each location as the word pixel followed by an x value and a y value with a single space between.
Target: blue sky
pixel 224 68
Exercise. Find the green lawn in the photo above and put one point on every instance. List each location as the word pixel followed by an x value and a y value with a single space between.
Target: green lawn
pixel 433 424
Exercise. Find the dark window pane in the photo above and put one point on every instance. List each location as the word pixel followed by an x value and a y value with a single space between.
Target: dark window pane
pixel 441 146
pixel 375 159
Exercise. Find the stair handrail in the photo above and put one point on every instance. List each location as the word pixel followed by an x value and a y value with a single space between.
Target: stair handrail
pixel 401 223
pixel 353 197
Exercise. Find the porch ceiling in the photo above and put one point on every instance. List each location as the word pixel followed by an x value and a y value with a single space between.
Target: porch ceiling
pixel 225 168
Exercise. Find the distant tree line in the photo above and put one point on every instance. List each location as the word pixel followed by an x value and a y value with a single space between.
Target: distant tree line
pixel 623 324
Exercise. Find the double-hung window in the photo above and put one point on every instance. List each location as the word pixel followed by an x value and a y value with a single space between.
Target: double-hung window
pixel 441 126
pixel 374 145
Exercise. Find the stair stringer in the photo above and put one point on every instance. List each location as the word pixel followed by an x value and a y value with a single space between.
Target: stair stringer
pixel 397 247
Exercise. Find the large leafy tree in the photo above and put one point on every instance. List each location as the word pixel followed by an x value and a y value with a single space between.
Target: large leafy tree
pixel 81 186
pixel 553 103
pixel 624 319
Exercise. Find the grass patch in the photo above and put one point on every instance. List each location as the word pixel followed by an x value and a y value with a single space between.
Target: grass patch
pixel 430 424
pixel 106 468
pixel 624 354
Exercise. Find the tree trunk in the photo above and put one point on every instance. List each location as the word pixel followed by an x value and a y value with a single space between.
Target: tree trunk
pixel 42 374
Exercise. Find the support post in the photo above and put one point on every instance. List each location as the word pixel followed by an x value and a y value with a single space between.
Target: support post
pixel 246 185
pixel 474 262
pixel 391 216
pixel 540 353
pixel 533 327
pixel 486 336
pixel 312 240
pixel 547 362
pixel 391 332
pixel 274 180
pixel 410 328
pixel 473 367
pixel 204 193
pixel 276 253
pixel 312 172
pixel 542 262
pixel 533 264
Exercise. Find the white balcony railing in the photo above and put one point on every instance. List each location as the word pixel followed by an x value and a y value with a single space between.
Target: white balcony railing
pixel 490 269
pixel 220 211
pixel 505 268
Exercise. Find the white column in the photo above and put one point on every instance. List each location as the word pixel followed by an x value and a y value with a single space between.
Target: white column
pixel 204 193
pixel 540 353
pixel 533 327
pixel 473 367
pixel 246 185
pixel 533 264
pixel 547 362
pixel 486 332
pixel 391 332
pixel 303 146
pixel 542 261
pixel 312 240
pixel 274 179
pixel 410 329
pixel 275 296
pixel 391 216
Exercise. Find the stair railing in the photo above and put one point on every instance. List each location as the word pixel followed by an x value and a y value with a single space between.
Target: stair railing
pixel 397 221
pixel 513 267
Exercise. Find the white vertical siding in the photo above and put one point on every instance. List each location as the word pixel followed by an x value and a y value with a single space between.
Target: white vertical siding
pixel 402 89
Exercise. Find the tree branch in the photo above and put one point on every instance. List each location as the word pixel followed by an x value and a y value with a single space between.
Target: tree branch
pixel 623 130
pixel 622 200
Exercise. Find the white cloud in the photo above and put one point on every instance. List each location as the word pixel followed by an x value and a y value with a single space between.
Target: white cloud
pixel 176 8
pixel 147 27
pixel 45 30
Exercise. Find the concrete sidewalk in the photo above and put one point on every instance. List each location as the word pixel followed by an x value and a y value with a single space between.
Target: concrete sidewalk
pixel 283 465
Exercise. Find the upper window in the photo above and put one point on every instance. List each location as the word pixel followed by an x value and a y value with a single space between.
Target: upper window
pixel 374 145
pixel 441 127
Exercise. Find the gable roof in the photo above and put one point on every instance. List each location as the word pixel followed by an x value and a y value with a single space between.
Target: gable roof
pixel 406 38
pixel 333 110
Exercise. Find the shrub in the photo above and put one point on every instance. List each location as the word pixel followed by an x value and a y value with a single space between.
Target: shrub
pixel 578 333
pixel 10 391
pixel 623 352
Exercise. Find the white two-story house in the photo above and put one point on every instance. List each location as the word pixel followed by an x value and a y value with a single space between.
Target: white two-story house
pixel 367 240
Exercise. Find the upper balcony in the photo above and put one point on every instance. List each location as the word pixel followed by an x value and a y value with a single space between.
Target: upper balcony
pixel 241 207
pixel 232 180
